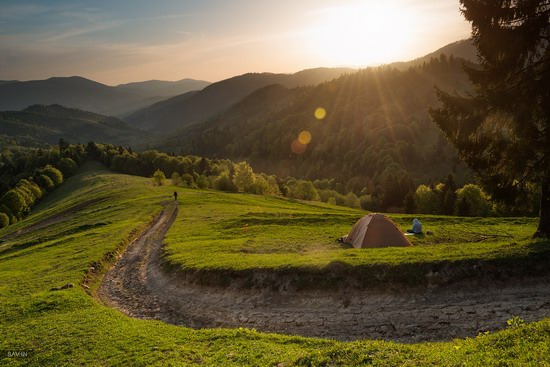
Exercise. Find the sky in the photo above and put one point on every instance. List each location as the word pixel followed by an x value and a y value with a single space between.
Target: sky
pixel 121 41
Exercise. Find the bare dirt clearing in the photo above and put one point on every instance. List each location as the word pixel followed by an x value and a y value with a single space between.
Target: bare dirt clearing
pixel 138 286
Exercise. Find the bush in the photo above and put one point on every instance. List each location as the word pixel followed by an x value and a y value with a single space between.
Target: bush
pixel 472 201
pixel 243 177
pixel 4 220
pixel 303 190
pixel 202 182
pixel 427 200
pixel 158 177
pixel 53 173
pixel 4 209
pixel 224 183
pixel 45 182
pixel 67 166
pixel 187 180
pixel 14 201
pixel 176 179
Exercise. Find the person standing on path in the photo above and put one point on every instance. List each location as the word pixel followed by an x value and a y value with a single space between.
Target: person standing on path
pixel 175 196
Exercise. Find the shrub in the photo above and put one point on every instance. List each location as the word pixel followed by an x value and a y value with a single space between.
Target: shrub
pixel 303 190
pixel 224 183
pixel 14 201
pixel 187 180
pixel 54 174
pixel 4 220
pixel 472 201
pixel 176 179
pixel 4 209
pixel 202 182
pixel 243 177
pixel 67 166
pixel 45 182
pixel 427 200
pixel 158 177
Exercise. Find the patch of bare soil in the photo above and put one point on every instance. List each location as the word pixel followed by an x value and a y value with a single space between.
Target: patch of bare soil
pixel 59 217
pixel 138 286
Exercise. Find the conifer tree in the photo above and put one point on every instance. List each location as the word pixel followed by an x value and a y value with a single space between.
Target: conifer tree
pixel 502 129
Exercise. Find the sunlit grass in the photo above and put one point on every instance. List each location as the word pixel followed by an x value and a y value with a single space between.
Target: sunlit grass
pixel 70 327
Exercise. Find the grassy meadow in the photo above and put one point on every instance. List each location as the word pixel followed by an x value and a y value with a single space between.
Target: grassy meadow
pixel 222 231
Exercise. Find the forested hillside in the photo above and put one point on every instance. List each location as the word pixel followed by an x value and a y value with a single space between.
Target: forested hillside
pixel 375 128
pixel 41 124
pixel 189 108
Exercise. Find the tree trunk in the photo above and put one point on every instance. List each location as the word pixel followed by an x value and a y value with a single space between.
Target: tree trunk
pixel 544 222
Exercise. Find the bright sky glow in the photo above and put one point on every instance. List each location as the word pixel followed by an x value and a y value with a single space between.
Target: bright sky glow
pixel 131 40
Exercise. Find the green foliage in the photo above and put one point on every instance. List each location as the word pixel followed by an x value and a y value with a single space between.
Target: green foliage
pixel 70 327
pixel 202 182
pixel 67 166
pixel 14 201
pixel 176 179
pixel 427 200
pixel 53 173
pixel 515 322
pixel 303 190
pixel 158 177
pixel 244 177
pixel 4 209
pixel 473 201
pixel 45 182
pixel 4 220
pixel 224 183
pixel 502 130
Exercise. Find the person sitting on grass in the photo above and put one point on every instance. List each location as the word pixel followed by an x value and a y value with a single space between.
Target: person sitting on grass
pixel 416 228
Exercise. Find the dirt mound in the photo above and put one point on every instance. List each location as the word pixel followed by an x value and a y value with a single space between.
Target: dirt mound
pixel 140 287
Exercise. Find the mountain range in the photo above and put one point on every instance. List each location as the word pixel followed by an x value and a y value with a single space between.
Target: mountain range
pixel 195 107
pixel 85 94
pixel 376 126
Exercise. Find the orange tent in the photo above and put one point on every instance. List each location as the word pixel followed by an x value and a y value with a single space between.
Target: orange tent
pixel 376 230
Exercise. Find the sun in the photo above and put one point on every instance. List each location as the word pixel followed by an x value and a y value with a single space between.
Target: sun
pixel 366 33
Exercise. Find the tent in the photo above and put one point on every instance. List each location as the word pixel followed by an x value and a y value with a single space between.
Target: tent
pixel 376 230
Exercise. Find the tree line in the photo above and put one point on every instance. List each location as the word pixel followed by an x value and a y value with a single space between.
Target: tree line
pixel 36 172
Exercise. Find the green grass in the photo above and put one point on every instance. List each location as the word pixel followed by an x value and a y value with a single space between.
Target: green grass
pixel 70 327
pixel 242 233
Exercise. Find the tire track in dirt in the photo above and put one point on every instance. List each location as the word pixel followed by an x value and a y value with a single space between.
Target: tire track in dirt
pixel 138 286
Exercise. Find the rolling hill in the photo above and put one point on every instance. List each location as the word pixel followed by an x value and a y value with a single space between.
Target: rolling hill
pixel 187 109
pixel 85 94
pixel 376 123
pixel 163 88
pixel 68 241
pixel 46 124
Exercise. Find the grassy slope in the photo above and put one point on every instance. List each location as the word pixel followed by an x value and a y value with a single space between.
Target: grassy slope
pixel 244 232
pixel 69 327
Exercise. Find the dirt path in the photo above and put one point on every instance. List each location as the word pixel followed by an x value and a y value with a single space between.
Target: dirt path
pixel 138 286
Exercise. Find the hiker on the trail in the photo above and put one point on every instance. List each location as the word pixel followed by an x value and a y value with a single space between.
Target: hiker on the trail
pixel 416 228
pixel 175 196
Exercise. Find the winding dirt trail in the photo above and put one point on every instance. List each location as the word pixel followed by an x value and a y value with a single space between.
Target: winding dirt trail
pixel 139 287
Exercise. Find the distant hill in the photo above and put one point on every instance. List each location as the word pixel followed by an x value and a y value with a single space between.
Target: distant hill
pixel 85 94
pixel 187 109
pixel 165 88
pixel 46 124
pixel 463 49
pixel 75 92
pixel 376 123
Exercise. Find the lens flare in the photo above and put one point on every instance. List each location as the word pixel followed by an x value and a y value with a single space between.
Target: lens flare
pixel 320 113
pixel 304 137
pixel 297 147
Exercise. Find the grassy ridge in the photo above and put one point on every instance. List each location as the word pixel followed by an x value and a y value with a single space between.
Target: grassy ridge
pixel 246 234
pixel 68 327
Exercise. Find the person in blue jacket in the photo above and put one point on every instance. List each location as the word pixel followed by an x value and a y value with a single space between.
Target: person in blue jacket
pixel 416 228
